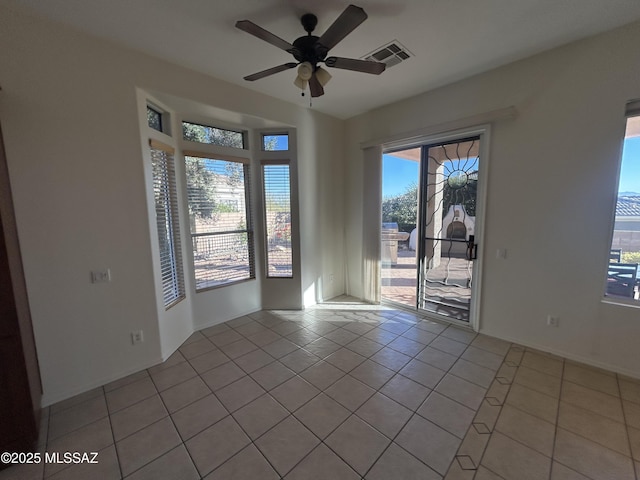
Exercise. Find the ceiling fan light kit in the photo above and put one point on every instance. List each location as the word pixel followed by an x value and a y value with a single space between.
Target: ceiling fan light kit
pixel 311 50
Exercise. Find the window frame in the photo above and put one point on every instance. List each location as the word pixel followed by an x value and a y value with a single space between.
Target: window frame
pixel 172 280
pixel 250 227
pixel 632 110
pixel 282 163
pixel 243 134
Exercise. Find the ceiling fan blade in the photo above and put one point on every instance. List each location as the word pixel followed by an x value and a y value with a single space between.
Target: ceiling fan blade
pixel 315 87
pixel 343 26
pixel 270 71
pixel 257 31
pixel 365 66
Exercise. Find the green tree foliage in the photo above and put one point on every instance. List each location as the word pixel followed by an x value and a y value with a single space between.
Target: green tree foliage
pixel 461 191
pixel 403 208
pixel 201 190
pixel 215 136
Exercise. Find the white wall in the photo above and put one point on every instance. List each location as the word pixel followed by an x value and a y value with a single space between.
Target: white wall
pixel 556 164
pixel 68 109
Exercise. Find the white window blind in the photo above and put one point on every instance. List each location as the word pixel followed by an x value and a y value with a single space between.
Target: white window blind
pixel 221 221
pixel 166 206
pixel 277 207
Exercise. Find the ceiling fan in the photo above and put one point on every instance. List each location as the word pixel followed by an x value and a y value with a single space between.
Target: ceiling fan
pixel 311 50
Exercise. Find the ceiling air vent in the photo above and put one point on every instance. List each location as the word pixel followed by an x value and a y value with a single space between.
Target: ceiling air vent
pixel 390 54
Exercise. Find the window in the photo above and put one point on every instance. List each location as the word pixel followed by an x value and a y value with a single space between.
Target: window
pixel 220 219
pixel 275 142
pixel 624 256
pixel 195 132
pixel 277 206
pixel 154 118
pixel 166 205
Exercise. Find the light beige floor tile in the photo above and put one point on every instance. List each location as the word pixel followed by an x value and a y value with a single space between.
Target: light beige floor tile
pixel 548 364
pixel 239 348
pixel 286 328
pixel 360 328
pixel 322 374
pixel 322 464
pixel 462 391
pixel 250 328
pixel 172 376
pixel 405 391
pixel 473 372
pixel 239 393
pixel 357 443
pixel 299 360
pixel 448 345
pixel 527 429
pixel 193 349
pixel 260 415
pixel 422 373
pixel 345 359
pixel 398 463
pixel 170 466
pixel 220 377
pixel 215 445
pixel 323 347
pixel 381 336
pixel 437 358
pixel 391 358
pixel 90 438
pixel 208 361
pixel 272 375
pixel 430 326
pixel 535 403
pixel 482 357
pixel 594 427
pixel 322 415
pixel 246 464
pixel 183 394
pixel 91 394
pixel 419 335
pixel 372 374
pixel 459 334
pixel 281 347
pixel 491 344
pixel 631 413
pixel 630 390
pixel 264 338
pixel 511 459
pixel 428 442
pixel 254 360
pixel 349 392
pixel 498 391
pixel 592 400
pixel 146 445
pixel 507 373
pixel 364 346
pixel 341 336
pixel 591 459
pixel 141 374
pixel 130 394
pixel 560 472
pixel 70 419
pixel 286 444
pixel 225 337
pixel 198 416
pixel 514 356
pixel 634 440
pixel 538 381
pixel 294 393
pixel 302 337
pixel 406 345
pixel 474 445
pixel 137 416
pixel 215 329
pixel 457 472
pixel 384 414
pixel 446 413
pixel 591 378
pixel 486 474
pixel 487 416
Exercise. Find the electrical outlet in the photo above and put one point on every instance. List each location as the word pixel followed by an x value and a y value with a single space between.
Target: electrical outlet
pixel 331 278
pixel 553 321
pixel 101 276
pixel 137 337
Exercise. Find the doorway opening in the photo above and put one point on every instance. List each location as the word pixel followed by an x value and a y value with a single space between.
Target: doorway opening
pixel 429 227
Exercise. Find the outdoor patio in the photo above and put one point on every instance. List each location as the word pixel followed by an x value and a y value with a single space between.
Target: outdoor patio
pixel 399 281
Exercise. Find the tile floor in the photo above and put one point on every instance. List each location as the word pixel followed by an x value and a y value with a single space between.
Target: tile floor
pixel 349 392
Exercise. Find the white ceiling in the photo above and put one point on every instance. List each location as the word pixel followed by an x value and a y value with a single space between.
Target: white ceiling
pixel 451 39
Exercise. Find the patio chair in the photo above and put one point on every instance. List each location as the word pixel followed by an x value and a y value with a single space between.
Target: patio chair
pixel 621 279
pixel 615 255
